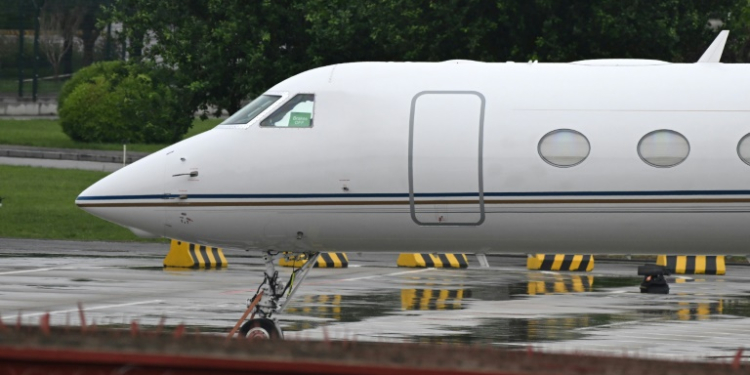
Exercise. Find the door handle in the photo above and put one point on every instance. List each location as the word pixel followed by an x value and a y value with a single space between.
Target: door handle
pixel 171 196
pixel 191 174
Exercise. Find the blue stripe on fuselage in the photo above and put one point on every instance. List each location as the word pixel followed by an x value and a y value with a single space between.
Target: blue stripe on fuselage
pixel 429 195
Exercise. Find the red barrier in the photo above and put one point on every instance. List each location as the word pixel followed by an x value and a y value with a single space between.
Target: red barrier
pixel 62 362
pixel 138 350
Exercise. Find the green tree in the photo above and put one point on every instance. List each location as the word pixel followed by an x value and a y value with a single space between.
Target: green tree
pixel 500 30
pixel 222 51
pixel 407 30
pixel 225 51
pixel 738 46
pixel 90 28
pixel 670 30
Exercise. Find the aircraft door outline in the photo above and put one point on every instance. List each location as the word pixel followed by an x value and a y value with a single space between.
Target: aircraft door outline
pixel 461 115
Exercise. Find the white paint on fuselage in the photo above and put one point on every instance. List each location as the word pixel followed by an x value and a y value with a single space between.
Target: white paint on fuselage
pixel 360 140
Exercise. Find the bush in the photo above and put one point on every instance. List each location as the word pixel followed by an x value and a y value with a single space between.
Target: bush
pixel 115 101
pixel 87 74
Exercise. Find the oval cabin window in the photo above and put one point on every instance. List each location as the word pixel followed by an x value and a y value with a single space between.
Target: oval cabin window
pixel 663 148
pixel 743 149
pixel 564 148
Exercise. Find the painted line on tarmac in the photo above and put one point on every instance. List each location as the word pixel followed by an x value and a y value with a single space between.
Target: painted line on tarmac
pixel 388 274
pixel 48 269
pixel 35 270
pixel 325 282
pixel 334 281
pixel 24 316
pixel 628 323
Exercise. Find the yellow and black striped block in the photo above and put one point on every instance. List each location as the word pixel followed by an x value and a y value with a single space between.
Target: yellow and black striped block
pixel 560 262
pixel 317 306
pixel 699 311
pixel 569 284
pixel 188 255
pixel 433 299
pixel 325 260
pixel 693 264
pixel 322 306
pixel 544 329
pixel 415 260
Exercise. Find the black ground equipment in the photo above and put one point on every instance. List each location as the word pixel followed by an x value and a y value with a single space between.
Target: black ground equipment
pixel 653 279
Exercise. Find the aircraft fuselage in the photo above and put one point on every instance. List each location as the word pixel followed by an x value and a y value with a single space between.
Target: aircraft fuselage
pixel 449 157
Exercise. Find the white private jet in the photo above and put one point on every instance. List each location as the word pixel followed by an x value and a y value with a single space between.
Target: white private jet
pixel 588 157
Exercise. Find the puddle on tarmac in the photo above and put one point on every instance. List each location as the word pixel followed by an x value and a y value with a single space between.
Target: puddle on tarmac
pixel 53 286
pixel 159 269
pixel 332 309
pixel 736 307
pixel 430 296
pixel 509 331
pixel 339 308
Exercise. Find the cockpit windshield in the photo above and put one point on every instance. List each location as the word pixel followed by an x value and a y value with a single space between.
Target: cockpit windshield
pixel 250 111
pixel 296 113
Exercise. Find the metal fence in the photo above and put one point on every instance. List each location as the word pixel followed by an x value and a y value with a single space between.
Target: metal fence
pixel 28 69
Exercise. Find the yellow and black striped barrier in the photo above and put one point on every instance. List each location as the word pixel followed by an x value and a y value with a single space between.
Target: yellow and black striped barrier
pixel 318 306
pixel 560 262
pixel 416 260
pixel 544 329
pixel 188 255
pixel 699 311
pixel 433 299
pixel 568 284
pixel 322 306
pixel 325 260
pixel 693 264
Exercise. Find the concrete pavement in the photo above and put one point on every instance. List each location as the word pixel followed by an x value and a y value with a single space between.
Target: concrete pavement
pixel 704 318
pixel 102 156
pixel 92 160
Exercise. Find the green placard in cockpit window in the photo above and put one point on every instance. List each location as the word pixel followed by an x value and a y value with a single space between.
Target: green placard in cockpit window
pixel 300 120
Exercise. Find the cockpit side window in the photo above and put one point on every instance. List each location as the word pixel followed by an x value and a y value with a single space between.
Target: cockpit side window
pixel 296 113
pixel 250 111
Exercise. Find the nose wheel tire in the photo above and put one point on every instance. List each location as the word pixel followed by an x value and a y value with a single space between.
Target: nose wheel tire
pixel 261 329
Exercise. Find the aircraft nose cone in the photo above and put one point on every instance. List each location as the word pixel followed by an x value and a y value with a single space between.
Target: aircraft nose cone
pixel 130 197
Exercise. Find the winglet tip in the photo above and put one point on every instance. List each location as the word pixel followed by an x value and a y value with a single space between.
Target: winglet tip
pixel 716 49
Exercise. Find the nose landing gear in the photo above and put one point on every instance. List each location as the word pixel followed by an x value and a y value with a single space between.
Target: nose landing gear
pixel 273 291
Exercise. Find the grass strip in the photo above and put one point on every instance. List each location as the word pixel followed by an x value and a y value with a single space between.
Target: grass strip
pixel 48 133
pixel 39 203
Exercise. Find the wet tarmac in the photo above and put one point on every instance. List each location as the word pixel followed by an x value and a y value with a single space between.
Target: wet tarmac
pixel 704 317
